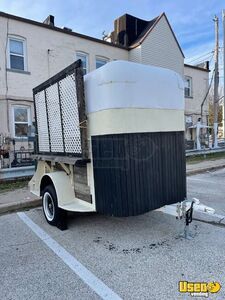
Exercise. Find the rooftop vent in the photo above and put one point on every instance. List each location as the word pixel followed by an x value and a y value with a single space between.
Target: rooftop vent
pixel 67 29
pixel 49 20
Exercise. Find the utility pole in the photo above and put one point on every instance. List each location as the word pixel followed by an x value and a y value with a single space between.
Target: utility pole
pixel 216 83
pixel 223 14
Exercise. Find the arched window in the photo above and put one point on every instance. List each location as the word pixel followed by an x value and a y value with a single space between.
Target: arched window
pixel 101 61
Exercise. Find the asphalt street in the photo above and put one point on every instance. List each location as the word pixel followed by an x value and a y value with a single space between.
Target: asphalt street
pixel 209 188
pixel 139 257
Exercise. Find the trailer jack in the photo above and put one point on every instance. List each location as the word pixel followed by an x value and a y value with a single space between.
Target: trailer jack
pixel 183 211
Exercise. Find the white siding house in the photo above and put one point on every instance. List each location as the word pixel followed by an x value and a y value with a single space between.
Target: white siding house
pixel 135 55
pixel 196 103
pixel 160 48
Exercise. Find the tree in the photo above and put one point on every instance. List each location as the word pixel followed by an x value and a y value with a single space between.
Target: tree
pixel 220 110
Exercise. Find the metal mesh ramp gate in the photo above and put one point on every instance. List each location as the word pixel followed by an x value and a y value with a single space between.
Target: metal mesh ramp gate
pixel 59 111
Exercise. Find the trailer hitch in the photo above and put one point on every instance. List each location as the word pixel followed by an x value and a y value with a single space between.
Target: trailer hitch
pixel 183 211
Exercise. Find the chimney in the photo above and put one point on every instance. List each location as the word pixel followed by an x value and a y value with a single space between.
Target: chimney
pixel 207 65
pixel 49 20
pixel 204 65
pixel 127 29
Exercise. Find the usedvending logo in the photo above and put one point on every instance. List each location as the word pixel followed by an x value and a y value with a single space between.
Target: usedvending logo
pixel 199 289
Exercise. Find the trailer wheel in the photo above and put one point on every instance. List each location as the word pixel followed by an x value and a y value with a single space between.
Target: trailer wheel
pixel 51 210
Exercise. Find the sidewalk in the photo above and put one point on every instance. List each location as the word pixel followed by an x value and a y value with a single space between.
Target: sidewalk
pixel 17 200
pixel 204 166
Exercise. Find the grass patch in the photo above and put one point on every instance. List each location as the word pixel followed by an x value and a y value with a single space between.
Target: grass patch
pixel 204 157
pixel 11 186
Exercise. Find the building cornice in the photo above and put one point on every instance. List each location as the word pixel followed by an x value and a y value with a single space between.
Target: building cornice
pixel 54 28
pixel 196 68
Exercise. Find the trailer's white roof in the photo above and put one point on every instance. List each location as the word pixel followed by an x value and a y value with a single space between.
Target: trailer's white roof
pixel 123 84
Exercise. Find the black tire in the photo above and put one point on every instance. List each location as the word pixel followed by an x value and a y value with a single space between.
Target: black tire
pixel 53 214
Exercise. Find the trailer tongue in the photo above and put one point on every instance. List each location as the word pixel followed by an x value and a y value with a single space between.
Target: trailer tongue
pixel 111 142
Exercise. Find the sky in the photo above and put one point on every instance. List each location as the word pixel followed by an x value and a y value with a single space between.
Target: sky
pixel 192 20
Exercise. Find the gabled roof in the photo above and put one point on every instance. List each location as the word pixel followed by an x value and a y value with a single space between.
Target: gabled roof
pixel 149 29
pixel 144 34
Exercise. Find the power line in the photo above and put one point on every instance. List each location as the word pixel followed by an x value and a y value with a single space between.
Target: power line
pixel 203 60
pixel 203 55
pixel 211 58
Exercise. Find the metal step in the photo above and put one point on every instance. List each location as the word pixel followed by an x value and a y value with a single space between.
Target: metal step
pixel 79 206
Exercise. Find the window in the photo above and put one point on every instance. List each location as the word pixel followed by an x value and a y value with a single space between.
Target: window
pixel 188 86
pixel 188 120
pixel 100 61
pixel 21 120
pixel 16 55
pixel 84 58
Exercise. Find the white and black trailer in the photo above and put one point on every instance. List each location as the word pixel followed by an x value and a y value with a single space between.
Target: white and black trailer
pixel 110 142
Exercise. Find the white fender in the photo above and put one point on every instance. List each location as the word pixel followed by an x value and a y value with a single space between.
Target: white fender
pixel 65 193
pixel 63 187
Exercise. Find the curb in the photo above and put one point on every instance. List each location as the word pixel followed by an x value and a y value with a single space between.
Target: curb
pixel 16 206
pixel 213 219
pixel 195 152
pixel 203 170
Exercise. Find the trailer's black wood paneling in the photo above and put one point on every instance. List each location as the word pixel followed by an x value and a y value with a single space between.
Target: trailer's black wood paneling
pixel 138 172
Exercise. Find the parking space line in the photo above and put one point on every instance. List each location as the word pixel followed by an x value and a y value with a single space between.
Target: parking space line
pixel 89 278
